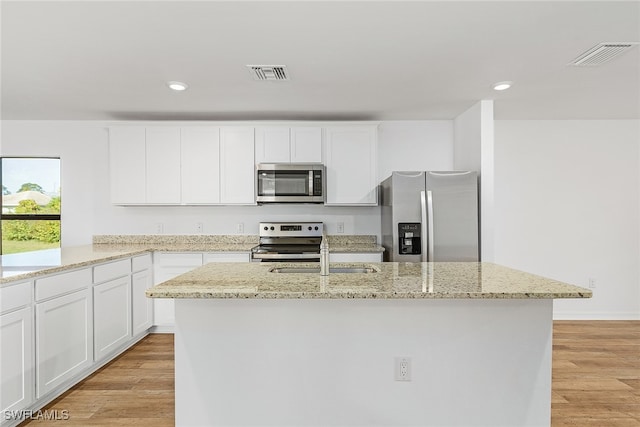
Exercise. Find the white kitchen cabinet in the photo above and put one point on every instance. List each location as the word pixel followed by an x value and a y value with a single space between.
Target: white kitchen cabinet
pixel 237 168
pixel 272 144
pixel 351 159
pixel 64 339
pixel 226 257
pixel 306 144
pixel 127 165
pixel 356 257
pixel 141 306
pixel 163 181
pixel 111 316
pixel 278 144
pixel 200 165
pixel 16 359
pixel 168 265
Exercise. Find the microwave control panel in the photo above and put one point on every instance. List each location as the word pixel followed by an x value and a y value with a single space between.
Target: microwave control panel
pixel 409 236
pixel 317 183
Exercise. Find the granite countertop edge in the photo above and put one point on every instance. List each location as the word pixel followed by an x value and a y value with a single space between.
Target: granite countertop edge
pixel 453 280
pixel 88 255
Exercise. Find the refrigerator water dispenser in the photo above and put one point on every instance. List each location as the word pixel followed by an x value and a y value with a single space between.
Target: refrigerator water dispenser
pixel 409 236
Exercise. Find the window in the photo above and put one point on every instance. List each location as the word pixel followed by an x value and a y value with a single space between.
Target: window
pixel 30 204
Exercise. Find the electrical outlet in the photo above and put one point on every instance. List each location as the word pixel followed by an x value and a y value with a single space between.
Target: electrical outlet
pixel 341 227
pixel 240 227
pixel 159 228
pixel 592 283
pixel 403 368
pixel 199 227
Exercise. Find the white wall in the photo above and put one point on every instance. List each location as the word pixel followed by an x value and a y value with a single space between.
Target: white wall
pixel 83 148
pixel 75 143
pixel 568 207
pixel 414 146
pixel 473 150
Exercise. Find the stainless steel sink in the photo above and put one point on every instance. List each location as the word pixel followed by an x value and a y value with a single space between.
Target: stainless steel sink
pixel 313 270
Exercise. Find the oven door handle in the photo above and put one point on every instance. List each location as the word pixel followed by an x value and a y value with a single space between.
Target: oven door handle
pixel 285 256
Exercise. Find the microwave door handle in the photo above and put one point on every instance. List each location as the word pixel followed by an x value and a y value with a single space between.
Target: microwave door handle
pixel 311 183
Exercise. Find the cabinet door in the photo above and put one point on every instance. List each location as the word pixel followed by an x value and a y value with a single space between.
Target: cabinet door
pixel 142 307
pixel 237 168
pixel 226 257
pixel 306 145
pixel 350 159
pixel 272 145
pixel 163 165
pixel 200 165
pixel 16 355
pixel 127 165
pixel 356 257
pixel 167 266
pixel 64 338
pixel 112 315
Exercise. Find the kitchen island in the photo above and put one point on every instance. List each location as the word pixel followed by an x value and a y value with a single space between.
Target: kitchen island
pixel 258 347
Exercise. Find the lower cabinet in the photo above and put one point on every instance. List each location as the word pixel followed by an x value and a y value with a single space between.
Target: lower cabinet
pixel 356 257
pixel 16 365
pixel 168 265
pixel 64 339
pixel 141 306
pixel 111 315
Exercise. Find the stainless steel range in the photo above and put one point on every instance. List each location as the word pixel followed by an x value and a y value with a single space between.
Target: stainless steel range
pixel 288 242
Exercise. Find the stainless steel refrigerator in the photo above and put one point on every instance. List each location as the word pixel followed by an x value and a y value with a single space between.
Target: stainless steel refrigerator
pixel 430 216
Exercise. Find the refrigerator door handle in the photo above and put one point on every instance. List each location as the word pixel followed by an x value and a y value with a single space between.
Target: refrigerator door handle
pixel 430 237
pixel 423 225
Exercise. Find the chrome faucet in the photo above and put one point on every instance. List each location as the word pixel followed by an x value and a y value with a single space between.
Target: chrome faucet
pixel 324 256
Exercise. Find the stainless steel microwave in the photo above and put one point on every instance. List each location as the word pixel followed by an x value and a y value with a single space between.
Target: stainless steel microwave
pixel 290 183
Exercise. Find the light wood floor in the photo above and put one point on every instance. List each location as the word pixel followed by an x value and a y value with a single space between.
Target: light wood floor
pixel 596 381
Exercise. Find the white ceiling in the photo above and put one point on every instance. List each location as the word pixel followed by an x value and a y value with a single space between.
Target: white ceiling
pixel 382 60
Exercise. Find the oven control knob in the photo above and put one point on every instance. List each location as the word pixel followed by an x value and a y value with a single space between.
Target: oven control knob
pixel 309 228
pixel 316 228
pixel 272 228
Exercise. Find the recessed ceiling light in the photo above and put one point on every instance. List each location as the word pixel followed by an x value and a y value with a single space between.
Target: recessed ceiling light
pixel 177 86
pixel 502 85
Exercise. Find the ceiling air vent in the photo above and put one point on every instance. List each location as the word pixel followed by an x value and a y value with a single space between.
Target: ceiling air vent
pixel 602 53
pixel 269 72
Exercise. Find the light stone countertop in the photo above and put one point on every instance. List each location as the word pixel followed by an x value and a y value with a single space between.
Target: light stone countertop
pixel 28 265
pixel 453 280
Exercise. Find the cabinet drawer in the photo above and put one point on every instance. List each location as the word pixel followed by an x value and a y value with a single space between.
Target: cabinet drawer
pixel 15 296
pixel 142 262
pixel 226 257
pixel 112 270
pixel 62 283
pixel 178 259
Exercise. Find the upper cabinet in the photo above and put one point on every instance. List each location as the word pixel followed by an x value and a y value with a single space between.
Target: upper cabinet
pixel 306 145
pixel 351 160
pixel 210 165
pixel 237 169
pixel 200 158
pixel 167 165
pixel 163 165
pixel 279 144
pixel 127 164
